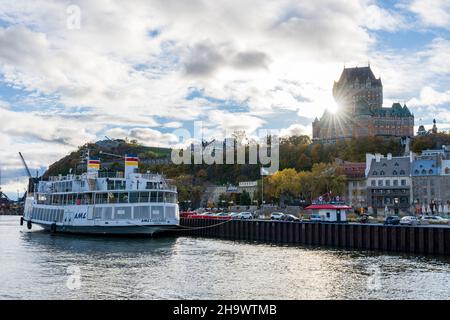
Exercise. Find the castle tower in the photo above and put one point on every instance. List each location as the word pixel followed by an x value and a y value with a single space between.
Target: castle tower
pixel 358 85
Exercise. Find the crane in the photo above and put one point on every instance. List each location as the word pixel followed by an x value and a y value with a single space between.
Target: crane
pixel 111 154
pixel 25 165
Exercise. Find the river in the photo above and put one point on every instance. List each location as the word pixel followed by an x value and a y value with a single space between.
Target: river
pixel 38 265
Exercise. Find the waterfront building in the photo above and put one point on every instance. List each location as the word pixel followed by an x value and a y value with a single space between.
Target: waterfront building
pixel 431 180
pixel 359 95
pixel 213 192
pixel 389 184
pixel 356 182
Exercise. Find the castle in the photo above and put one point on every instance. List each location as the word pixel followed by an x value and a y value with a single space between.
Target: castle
pixel 359 95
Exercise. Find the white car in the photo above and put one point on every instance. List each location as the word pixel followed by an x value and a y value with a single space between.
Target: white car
pixel 234 215
pixel 436 219
pixel 245 215
pixel 277 216
pixel 409 220
pixel 315 217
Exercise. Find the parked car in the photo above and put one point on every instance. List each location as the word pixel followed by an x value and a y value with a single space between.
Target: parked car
pixel 435 219
pixel 234 215
pixel 245 215
pixel 409 221
pixel 290 217
pixel 315 218
pixel 277 216
pixel 392 220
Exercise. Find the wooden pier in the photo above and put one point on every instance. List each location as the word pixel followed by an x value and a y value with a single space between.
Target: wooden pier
pixel 407 239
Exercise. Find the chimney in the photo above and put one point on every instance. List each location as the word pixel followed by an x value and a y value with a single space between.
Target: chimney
pixel 131 165
pixel 389 156
pixel 378 157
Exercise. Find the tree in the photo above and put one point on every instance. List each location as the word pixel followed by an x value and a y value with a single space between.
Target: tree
pixel 245 199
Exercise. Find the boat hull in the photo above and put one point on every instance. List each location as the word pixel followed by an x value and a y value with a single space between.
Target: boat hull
pixel 144 230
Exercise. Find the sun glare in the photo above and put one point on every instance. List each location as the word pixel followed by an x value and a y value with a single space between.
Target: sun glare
pixel 333 109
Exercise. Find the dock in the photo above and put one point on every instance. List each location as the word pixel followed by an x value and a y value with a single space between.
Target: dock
pixel 433 240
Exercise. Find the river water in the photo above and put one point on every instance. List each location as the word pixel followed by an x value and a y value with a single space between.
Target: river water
pixel 38 265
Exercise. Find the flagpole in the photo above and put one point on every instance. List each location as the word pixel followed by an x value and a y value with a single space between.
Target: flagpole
pixel 262 190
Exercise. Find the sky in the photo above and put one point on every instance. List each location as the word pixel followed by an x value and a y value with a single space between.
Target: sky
pixel 73 72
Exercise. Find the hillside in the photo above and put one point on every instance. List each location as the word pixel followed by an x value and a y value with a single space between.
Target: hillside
pixel 296 152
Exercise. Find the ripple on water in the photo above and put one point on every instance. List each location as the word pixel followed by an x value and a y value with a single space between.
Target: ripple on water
pixel 34 265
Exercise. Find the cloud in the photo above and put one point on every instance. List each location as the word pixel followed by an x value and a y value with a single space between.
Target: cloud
pixel 146 136
pixel 132 66
pixel 173 125
pixel 429 96
pixel 432 13
pixel 295 130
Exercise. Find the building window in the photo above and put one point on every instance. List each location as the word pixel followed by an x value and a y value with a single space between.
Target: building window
pixel 388 183
pixel 380 183
pixel 373 183
pixel 395 182
pixel 403 182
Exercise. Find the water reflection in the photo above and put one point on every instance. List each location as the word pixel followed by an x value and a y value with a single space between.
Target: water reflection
pixel 34 265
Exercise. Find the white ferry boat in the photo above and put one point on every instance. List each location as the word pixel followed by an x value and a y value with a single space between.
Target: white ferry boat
pixel 105 203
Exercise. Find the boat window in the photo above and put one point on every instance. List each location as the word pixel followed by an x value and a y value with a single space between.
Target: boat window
pixel 87 198
pixel 134 197
pixel 70 199
pixel 153 196
pixel 170 197
pixel 160 197
pixel 116 184
pixel 143 197
pixel 101 198
pixel 328 215
pixel 123 197
pixel 151 185
pixel 113 197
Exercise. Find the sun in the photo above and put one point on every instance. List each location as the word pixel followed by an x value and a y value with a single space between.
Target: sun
pixel 333 108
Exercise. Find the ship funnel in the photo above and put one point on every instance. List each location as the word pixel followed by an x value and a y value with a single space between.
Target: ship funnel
pixel 93 165
pixel 131 164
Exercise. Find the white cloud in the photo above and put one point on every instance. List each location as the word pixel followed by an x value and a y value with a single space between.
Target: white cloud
pixel 133 62
pixel 146 136
pixel 295 130
pixel 429 96
pixel 433 13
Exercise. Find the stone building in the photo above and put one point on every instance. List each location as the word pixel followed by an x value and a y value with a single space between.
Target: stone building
pixel 359 95
pixel 389 183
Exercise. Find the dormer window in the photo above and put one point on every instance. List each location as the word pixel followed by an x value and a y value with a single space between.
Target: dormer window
pixel 375 173
pixel 424 171
pixel 402 172
pixel 384 165
pixel 396 164
pixel 381 173
pixel 394 172
pixel 430 171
